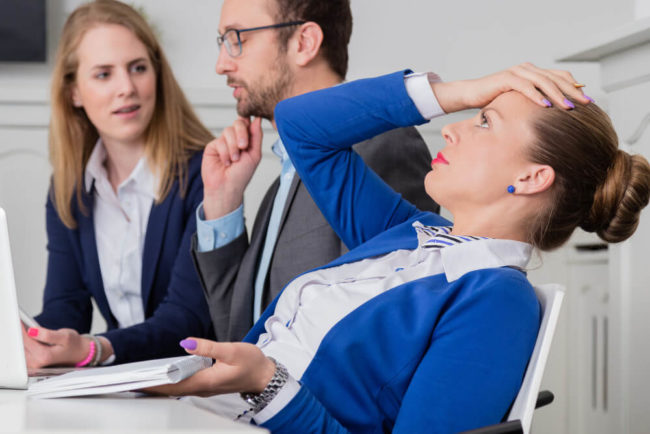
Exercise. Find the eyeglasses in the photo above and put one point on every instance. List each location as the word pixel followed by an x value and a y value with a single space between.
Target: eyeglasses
pixel 232 40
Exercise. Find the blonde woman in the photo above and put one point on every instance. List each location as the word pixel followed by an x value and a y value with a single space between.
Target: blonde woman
pixel 126 148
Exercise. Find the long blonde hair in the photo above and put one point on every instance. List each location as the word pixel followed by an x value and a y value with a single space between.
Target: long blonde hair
pixel 172 136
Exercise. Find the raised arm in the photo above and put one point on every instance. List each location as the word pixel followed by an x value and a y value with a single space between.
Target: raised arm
pixel 319 129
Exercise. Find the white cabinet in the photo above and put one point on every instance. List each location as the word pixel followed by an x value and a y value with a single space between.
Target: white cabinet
pixel 588 310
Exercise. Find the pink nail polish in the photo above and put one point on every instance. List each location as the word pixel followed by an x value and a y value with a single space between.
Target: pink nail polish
pixel 32 332
pixel 546 102
pixel 569 103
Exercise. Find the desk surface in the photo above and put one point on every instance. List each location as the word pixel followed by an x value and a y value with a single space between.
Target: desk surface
pixel 124 413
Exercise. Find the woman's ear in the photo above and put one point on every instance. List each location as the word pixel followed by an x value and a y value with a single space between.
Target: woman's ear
pixel 536 179
pixel 76 99
pixel 306 43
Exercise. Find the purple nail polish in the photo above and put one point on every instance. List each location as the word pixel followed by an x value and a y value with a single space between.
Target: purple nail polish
pixel 546 102
pixel 590 98
pixel 569 103
pixel 188 344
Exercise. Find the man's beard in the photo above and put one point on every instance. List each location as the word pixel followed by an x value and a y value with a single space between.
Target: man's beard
pixel 262 97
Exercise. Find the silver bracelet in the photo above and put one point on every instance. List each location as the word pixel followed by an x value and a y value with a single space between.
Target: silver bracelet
pixel 98 350
pixel 258 401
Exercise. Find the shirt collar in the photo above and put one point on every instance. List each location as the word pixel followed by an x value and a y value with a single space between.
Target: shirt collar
pixel 95 167
pixel 474 254
pixel 141 177
pixel 280 151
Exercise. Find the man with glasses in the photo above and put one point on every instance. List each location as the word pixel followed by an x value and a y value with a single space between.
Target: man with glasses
pixel 271 50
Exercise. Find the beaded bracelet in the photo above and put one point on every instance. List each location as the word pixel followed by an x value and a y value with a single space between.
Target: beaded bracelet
pixel 89 357
pixel 98 349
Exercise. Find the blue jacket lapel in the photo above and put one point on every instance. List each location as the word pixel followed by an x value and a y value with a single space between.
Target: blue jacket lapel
pixel 153 242
pixel 89 248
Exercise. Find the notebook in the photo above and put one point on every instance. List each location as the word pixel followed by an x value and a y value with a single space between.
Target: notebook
pixel 13 369
pixel 120 378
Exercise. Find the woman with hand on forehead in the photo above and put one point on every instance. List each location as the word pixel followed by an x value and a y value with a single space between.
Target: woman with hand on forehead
pixel 125 147
pixel 426 325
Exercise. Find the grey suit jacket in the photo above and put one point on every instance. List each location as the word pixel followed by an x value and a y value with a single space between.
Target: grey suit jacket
pixel 305 239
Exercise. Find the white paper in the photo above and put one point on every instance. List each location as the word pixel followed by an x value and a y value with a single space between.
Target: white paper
pixel 119 378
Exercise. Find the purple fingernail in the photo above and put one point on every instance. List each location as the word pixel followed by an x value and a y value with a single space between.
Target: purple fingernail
pixel 569 103
pixel 188 344
pixel 546 102
pixel 590 98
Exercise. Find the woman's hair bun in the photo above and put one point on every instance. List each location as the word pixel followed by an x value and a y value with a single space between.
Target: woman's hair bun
pixel 618 201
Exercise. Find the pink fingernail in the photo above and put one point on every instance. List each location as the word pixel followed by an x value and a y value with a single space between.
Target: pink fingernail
pixel 569 103
pixel 32 332
pixel 546 102
pixel 189 344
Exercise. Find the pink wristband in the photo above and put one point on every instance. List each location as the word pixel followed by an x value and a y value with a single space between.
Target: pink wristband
pixel 89 357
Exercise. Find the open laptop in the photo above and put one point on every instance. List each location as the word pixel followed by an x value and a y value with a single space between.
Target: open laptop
pixel 13 369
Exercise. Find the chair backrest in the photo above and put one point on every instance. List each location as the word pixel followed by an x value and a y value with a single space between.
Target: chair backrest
pixel 550 298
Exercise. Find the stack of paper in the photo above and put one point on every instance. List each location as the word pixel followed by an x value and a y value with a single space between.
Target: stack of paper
pixel 119 378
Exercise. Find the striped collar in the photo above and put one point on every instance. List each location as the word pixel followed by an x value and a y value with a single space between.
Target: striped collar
pixel 437 237
pixel 463 254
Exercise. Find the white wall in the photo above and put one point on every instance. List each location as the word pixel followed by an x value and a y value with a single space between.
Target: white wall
pixel 457 39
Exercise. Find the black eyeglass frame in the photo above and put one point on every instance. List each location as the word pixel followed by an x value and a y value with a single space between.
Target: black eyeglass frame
pixel 221 39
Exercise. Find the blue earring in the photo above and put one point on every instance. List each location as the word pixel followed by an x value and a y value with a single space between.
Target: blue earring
pixel 511 189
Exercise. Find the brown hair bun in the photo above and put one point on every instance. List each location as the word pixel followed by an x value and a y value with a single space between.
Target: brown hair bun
pixel 618 202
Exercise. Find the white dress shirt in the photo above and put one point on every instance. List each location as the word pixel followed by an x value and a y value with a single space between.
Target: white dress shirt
pixel 120 220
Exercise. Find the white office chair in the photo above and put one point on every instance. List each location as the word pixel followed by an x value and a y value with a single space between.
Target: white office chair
pixel 520 416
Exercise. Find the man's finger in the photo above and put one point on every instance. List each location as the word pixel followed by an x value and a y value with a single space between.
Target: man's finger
pixel 241 132
pixel 256 136
pixel 229 138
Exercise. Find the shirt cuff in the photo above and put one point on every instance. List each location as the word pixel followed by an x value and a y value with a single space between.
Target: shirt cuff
pixel 109 360
pixel 419 90
pixel 284 396
pixel 212 234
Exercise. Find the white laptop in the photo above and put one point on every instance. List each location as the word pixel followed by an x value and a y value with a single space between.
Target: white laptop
pixel 13 369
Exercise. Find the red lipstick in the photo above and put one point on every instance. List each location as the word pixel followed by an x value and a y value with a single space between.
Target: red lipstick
pixel 439 159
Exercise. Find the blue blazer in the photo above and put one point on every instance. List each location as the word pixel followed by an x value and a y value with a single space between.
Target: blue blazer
pixel 426 356
pixel 174 304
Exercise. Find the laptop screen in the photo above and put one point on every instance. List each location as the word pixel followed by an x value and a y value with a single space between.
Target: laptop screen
pixel 13 370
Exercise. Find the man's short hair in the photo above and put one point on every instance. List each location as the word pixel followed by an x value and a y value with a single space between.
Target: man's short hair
pixel 333 16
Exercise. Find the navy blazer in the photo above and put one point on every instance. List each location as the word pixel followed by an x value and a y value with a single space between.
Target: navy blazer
pixel 174 304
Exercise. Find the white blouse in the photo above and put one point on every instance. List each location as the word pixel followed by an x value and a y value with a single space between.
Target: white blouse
pixel 120 220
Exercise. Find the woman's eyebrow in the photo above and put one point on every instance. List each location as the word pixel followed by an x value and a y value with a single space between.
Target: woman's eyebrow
pixel 486 109
pixel 134 61
pixel 108 66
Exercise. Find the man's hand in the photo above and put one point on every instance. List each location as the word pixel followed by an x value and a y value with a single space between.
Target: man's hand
pixel 239 367
pixel 526 78
pixel 228 166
